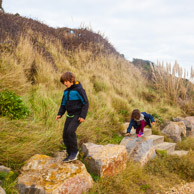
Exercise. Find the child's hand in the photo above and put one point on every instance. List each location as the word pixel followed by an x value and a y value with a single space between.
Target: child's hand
pixel 153 123
pixel 81 120
pixel 58 117
pixel 127 134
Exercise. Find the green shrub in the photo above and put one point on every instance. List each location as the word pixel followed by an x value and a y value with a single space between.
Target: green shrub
pixel 12 105
pixel 161 153
pixel 9 181
pixel 158 118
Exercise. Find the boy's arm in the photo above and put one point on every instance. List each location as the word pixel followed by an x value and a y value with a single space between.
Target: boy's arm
pixel 85 104
pixel 62 108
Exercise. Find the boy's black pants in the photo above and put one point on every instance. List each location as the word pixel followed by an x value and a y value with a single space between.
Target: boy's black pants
pixel 69 135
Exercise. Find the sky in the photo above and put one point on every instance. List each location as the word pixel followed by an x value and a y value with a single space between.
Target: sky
pixel 155 30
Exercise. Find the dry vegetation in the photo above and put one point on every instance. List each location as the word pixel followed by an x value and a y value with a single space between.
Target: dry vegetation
pixel 32 58
pixel 169 79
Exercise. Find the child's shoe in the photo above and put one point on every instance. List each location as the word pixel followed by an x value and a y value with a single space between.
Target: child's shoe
pixel 138 135
pixel 142 134
pixel 73 156
pixel 127 134
pixel 66 159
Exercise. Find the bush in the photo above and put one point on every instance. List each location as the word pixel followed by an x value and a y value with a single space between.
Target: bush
pixel 158 118
pixel 9 181
pixel 12 105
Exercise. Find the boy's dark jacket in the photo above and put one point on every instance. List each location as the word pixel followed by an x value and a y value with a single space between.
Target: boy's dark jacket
pixel 75 101
pixel 147 118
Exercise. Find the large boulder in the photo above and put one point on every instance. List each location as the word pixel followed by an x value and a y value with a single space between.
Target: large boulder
pixel 104 160
pixel 45 175
pixel 189 123
pixel 175 130
pixel 139 149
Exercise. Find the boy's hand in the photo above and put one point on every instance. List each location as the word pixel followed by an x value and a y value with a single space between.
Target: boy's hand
pixel 153 123
pixel 127 134
pixel 81 120
pixel 58 117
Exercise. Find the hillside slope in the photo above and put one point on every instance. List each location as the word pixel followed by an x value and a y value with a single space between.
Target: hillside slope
pixel 33 57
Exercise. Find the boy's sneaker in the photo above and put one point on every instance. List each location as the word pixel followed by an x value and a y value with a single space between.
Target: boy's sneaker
pixel 142 134
pixel 73 156
pixel 66 159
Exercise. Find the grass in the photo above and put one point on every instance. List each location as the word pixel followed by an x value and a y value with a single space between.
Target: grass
pixel 134 179
pixel 158 176
pixel 167 165
pixel 186 144
pixel 9 182
pixel 170 81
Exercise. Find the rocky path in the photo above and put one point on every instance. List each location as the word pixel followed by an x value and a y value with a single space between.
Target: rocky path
pixel 158 142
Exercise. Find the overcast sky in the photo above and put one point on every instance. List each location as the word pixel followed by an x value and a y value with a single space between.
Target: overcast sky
pixel 147 29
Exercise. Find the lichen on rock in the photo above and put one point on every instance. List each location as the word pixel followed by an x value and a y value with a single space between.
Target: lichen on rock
pixel 44 174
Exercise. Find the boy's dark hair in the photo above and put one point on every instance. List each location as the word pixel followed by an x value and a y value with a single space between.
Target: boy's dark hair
pixel 135 114
pixel 67 76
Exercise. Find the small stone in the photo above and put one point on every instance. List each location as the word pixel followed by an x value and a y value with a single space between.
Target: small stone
pixel 4 169
pixel 2 190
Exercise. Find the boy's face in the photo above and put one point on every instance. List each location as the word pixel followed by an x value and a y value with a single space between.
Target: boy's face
pixel 68 84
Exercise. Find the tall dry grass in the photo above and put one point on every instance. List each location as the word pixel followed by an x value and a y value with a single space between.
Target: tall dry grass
pixel 114 88
pixel 171 80
pixel 113 85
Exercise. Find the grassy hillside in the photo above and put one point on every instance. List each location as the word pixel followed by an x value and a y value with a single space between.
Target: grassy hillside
pixel 32 58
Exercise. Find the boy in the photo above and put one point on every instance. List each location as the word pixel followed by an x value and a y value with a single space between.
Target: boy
pixel 139 120
pixel 75 102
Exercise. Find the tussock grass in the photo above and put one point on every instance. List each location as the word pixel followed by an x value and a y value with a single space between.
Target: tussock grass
pixel 20 140
pixel 135 179
pixel 169 80
pixel 113 85
pixel 186 144
pixel 166 166
pixel 158 176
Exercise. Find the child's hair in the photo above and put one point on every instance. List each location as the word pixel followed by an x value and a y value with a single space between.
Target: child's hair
pixel 135 114
pixel 67 76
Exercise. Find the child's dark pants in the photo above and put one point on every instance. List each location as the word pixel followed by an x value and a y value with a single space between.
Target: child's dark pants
pixel 69 135
pixel 141 127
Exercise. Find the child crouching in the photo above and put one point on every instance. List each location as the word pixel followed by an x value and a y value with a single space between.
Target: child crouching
pixel 139 120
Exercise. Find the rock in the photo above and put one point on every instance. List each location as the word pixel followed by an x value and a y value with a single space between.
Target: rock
pixel 175 130
pixel 4 169
pixel 139 149
pixel 183 188
pixel 105 160
pixel 189 123
pixel 147 131
pixel 165 146
pixel 2 190
pixel 44 174
pixel 179 152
